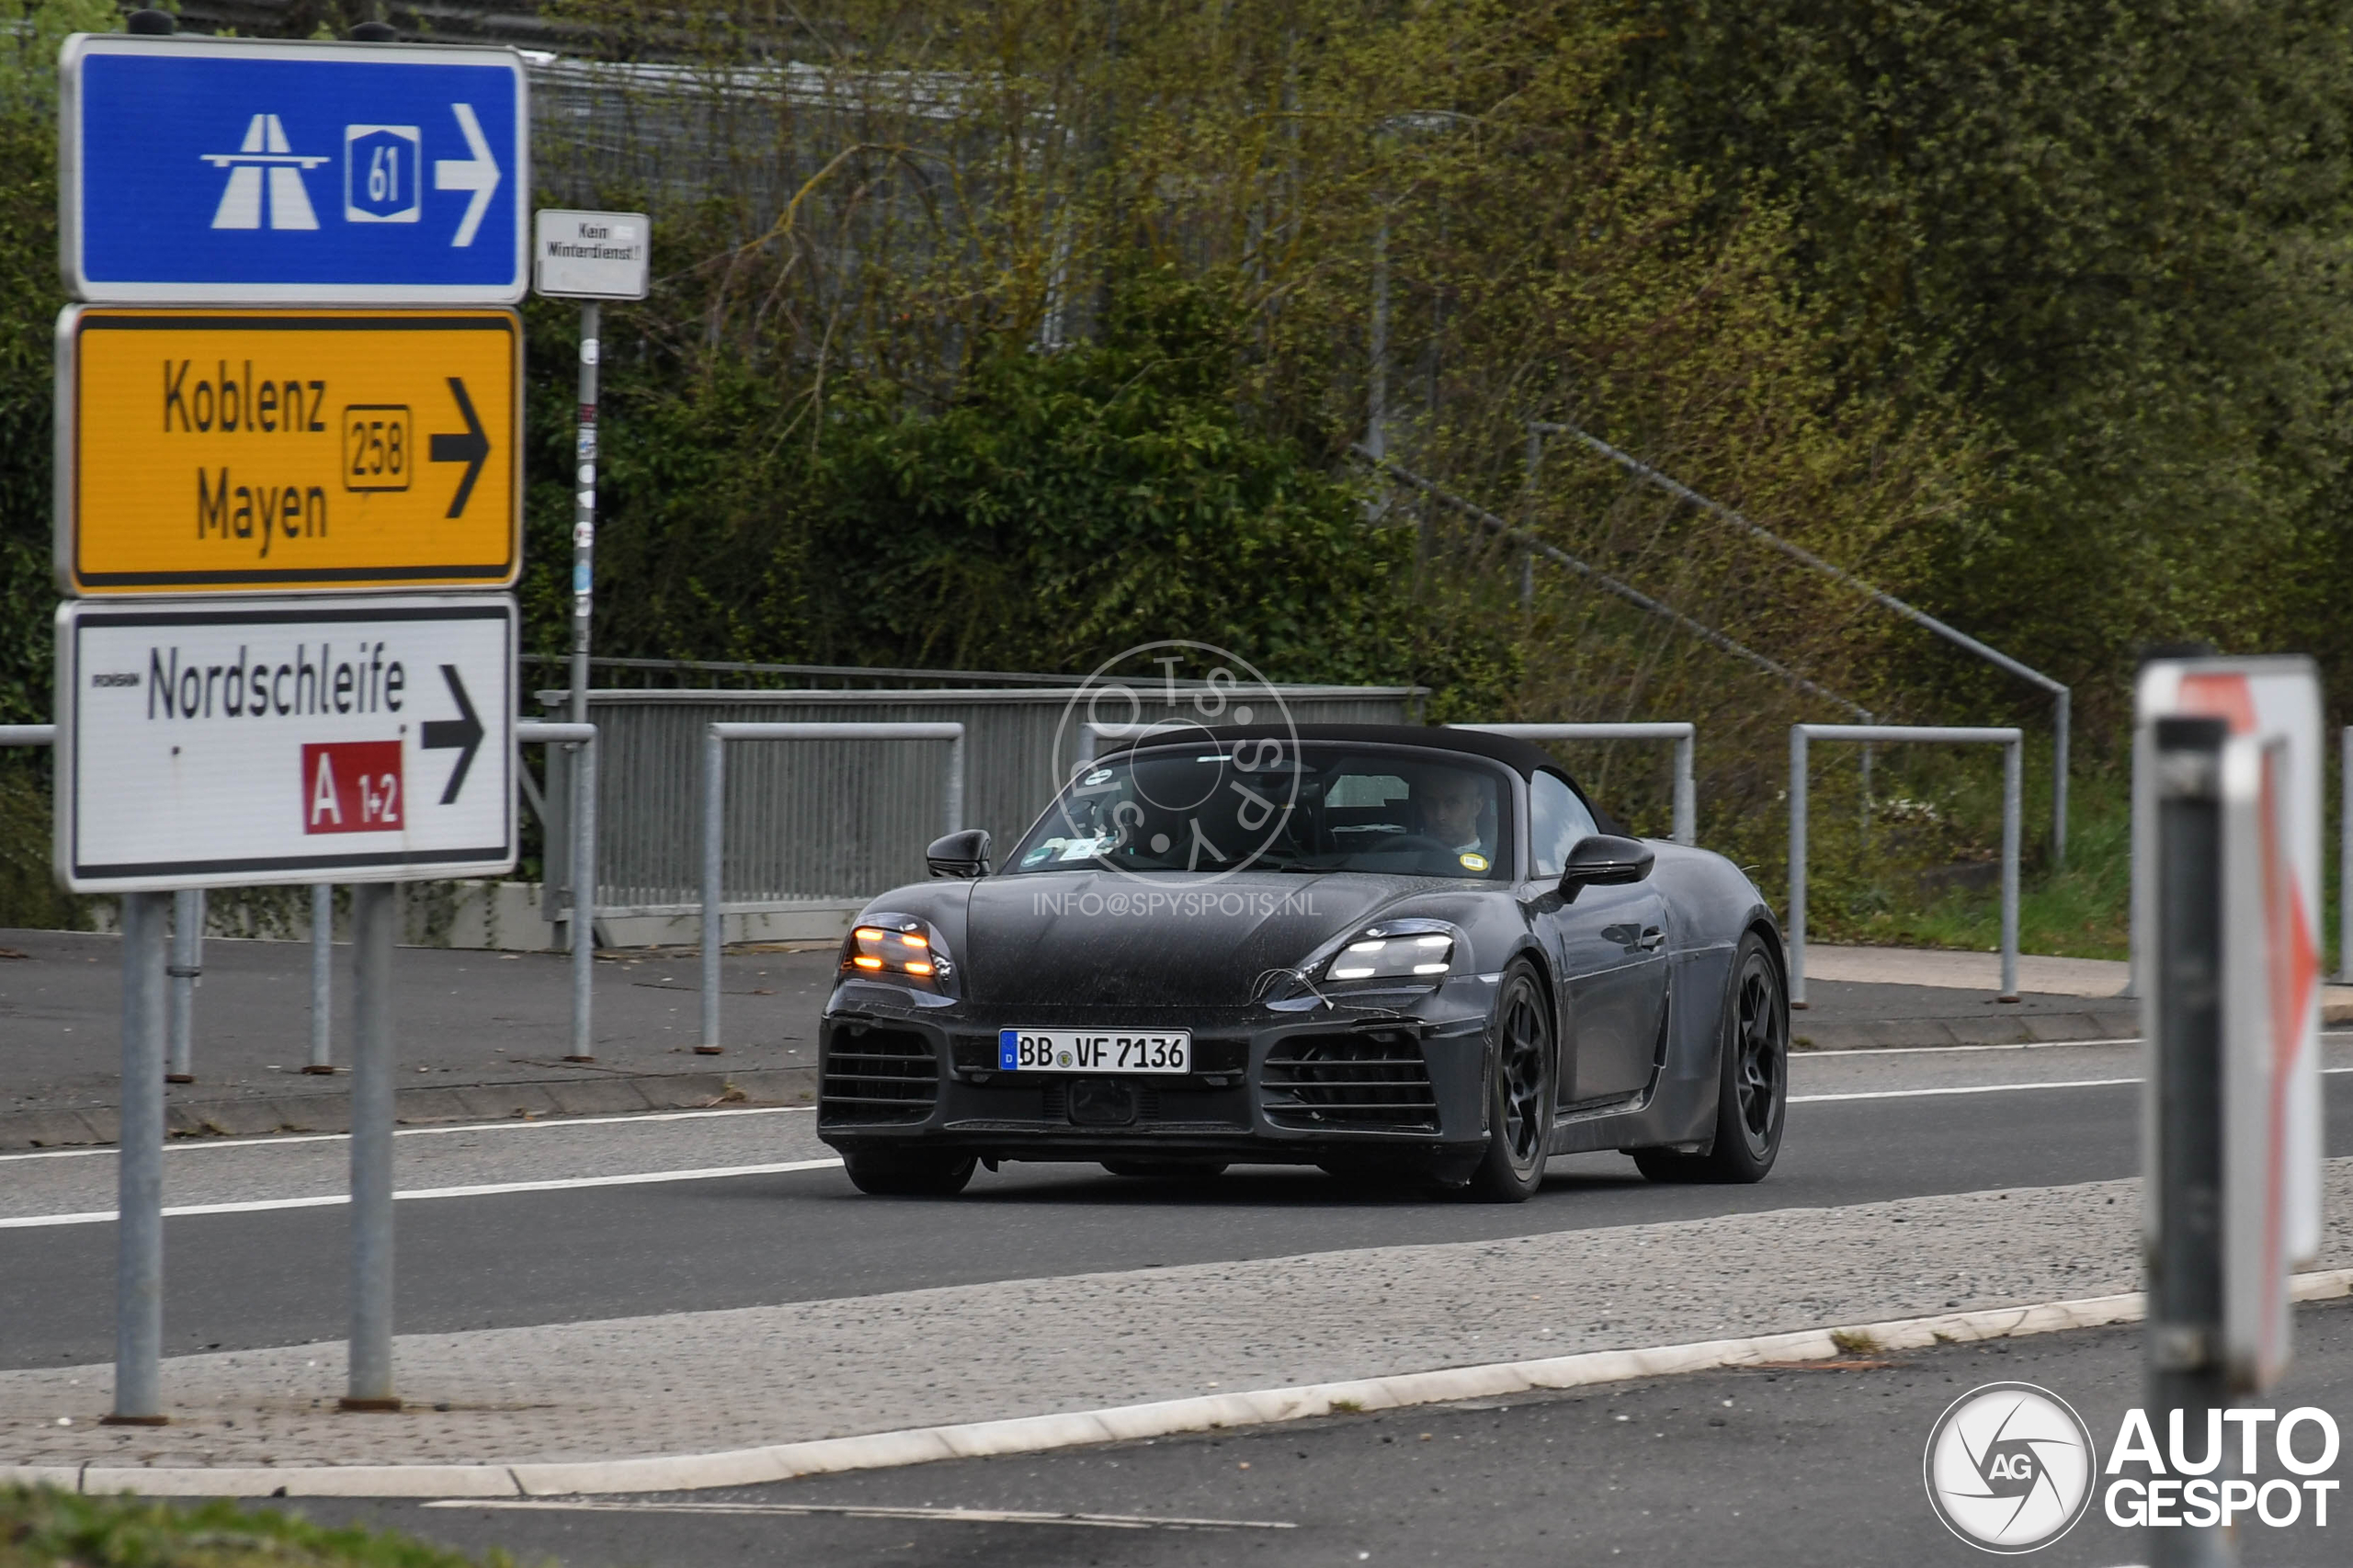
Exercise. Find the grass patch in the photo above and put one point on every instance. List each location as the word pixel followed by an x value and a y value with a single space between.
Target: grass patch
pixel 1875 891
pixel 42 1527
pixel 1856 1342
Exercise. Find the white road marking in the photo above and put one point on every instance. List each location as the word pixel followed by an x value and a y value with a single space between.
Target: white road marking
pixel 1981 1089
pixel 871 1511
pixel 487 1189
pixel 189 1145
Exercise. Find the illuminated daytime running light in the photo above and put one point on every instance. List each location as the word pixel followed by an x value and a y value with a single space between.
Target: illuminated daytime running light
pixel 1394 958
pixel 895 946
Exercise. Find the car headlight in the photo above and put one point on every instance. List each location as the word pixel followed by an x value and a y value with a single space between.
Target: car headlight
pixel 897 947
pixel 1393 953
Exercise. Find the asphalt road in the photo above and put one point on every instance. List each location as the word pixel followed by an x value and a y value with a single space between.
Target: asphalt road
pixel 1798 1468
pixel 236 1281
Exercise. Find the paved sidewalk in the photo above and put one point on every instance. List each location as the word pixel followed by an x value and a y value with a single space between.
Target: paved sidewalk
pixel 481 1036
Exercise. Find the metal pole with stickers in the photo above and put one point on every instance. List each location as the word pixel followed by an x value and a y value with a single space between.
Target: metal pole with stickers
pixel 591 257
pixel 286 652
pixel 2227 821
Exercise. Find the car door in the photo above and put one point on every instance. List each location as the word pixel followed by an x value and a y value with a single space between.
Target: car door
pixel 1611 944
pixel 1613 949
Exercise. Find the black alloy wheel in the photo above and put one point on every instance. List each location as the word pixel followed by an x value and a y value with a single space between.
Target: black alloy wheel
pixel 1752 1097
pixel 1520 1093
pixel 909 1173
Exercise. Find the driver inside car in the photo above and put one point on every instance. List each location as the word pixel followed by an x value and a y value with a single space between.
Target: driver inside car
pixel 1451 806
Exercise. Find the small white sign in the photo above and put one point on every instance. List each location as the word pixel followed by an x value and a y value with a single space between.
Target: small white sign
pixel 591 255
pixel 272 742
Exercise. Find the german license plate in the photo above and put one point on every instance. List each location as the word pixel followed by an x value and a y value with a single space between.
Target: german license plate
pixel 1094 1051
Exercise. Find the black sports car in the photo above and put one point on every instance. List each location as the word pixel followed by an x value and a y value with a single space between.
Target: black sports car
pixel 1392 951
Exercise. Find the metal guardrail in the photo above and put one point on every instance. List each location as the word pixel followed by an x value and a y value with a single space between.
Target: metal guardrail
pixel 2013 773
pixel 714 819
pixel 1686 828
pixel 582 740
pixel 27 734
pixel 2062 697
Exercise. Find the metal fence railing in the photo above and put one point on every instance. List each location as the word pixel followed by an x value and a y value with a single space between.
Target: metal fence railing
pixel 712 818
pixel 2013 775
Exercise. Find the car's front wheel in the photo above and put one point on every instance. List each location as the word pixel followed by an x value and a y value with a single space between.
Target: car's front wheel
pixel 1520 1093
pixel 1752 1096
pixel 909 1173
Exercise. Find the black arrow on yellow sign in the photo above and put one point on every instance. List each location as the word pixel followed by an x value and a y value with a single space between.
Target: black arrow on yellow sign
pixel 470 447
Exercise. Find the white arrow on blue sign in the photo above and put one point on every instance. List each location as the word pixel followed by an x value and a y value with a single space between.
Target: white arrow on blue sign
pixel 206 170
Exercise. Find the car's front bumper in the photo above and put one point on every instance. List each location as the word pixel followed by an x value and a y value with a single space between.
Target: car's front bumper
pixel 1271 1086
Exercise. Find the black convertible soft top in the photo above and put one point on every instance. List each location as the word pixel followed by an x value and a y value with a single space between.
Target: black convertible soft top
pixel 1524 757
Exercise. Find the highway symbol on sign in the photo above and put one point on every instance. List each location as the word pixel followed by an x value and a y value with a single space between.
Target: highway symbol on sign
pixel 274 742
pixel 236 450
pixel 206 169
pixel 265 152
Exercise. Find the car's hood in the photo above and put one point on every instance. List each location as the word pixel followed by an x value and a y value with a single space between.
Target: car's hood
pixel 1094 937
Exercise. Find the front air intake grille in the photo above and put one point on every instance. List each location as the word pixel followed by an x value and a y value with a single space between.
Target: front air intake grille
pixel 877 1075
pixel 1370 1083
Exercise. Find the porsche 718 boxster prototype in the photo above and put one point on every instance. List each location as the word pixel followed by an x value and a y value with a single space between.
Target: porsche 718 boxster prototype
pixel 1395 952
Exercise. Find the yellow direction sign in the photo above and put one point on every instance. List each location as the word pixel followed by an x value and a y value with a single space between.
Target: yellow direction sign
pixel 239 451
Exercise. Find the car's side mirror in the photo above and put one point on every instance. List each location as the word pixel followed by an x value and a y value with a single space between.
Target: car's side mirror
pixel 1604 860
pixel 964 854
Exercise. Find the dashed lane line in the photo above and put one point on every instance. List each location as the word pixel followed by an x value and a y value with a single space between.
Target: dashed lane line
pixel 486 1189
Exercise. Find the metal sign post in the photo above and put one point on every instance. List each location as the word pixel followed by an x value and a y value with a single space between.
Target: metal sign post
pixel 139 1195
pixel 2185 1184
pixel 291 452
pixel 588 257
pixel 2226 838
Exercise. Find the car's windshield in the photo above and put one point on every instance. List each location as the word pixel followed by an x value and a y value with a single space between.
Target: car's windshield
pixel 1278 805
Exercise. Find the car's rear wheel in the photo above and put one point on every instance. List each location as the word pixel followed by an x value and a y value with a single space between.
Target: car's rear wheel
pixel 1520 1093
pixel 1166 1170
pixel 909 1173
pixel 1752 1096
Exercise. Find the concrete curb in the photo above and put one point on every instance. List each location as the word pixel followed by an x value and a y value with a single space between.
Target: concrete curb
pixel 602 1093
pixel 1039 1433
pixel 1809 1033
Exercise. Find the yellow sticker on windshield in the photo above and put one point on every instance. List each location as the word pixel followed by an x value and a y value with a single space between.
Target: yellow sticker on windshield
pixel 1474 862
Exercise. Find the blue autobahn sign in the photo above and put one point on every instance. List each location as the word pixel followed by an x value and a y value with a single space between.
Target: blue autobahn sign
pixel 196 169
